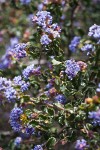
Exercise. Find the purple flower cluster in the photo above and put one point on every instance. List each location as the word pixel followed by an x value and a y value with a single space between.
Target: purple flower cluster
pixel 13 41
pixel 50 31
pixel 7 89
pixel 10 94
pixel 20 82
pixel 72 68
pixel 94 31
pixel 4 83
pixel 45 40
pixel 29 130
pixel 6 60
pixel 30 70
pixel 15 119
pixel 74 43
pixel 43 19
pixel 25 2
pixel 49 86
pixel 38 147
pixel 17 141
pixel 60 98
pixel 81 144
pixel 19 50
pixel 95 116
pixel 88 47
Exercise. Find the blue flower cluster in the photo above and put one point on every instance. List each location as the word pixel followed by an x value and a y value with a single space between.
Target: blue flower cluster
pixel 7 89
pixel 17 141
pixel 43 19
pixel 88 47
pixel 61 98
pixel 94 31
pixel 4 83
pixel 38 147
pixel 10 94
pixel 49 86
pixel 30 70
pixel 6 59
pixel 25 2
pixel 45 40
pixel 15 119
pixel 29 130
pixel 50 31
pixel 20 82
pixel 74 43
pixel 19 50
pixel 72 68
pixel 81 144
pixel 95 116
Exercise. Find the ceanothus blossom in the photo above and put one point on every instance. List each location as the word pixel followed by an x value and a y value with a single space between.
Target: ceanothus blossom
pixel 72 68
pixel 15 119
pixel 95 116
pixel 20 82
pixel 30 70
pixel 94 31
pixel 43 18
pixel 11 94
pixel 61 98
pixel 45 40
pixel 7 89
pixel 74 43
pixel 29 130
pixel 19 50
pixel 17 141
pixel 38 147
pixel 81 144
pixel 88 47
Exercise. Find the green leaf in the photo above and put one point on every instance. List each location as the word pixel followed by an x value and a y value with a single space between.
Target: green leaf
pixel 55 62
pixel 51 142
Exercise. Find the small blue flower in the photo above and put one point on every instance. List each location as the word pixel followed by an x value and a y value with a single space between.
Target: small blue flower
pixel 19 51
pixel 13 41
pixel 29 130
pixel 38 147
pixel 40 7
pixel 45 40
pixel 49 85
pixel 72 68
pixel 94 31
pixel 15 119
pixel 10 94
pixel 17 141
pixel 28 71
pixel 43 18
pixel 4 83
pixel 81 144
pixel 5 61
pixel 61 98
pixel 74 43
pixel 95 117
pixel 88 47
pixel 20 82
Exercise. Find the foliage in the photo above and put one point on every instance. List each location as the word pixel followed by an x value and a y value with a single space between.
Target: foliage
pixel 50 74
